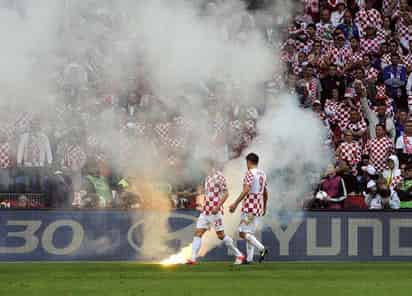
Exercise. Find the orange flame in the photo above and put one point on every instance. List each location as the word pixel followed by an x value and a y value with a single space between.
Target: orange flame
pixel 179 258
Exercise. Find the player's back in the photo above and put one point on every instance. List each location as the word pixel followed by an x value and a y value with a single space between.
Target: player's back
pixel 215 188
pixel 253 203
pixel 258 184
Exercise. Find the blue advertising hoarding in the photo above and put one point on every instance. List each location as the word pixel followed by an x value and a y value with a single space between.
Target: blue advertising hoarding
pixel 119 236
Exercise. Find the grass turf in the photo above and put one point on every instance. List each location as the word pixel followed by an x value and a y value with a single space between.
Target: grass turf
pixel 332 279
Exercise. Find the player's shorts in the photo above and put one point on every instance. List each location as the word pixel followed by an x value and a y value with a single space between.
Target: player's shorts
pixel 210 221
pixel 248 223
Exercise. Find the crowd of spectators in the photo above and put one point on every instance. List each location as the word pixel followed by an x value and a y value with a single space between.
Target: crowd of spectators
pixel 101 146
pixel 350 61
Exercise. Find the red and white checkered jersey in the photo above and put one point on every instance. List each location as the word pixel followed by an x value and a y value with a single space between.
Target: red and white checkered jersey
pixel 356 57
pixel 402 26
pixel 5 155
pixel 364 18
pixel 349 152
pixel 387 8
pixel 215 188
pixel 253 203
pixel 407 60
pixel 342 115
pixel 371 46
pixel 360 126
pixel 339 56
pixel 379 151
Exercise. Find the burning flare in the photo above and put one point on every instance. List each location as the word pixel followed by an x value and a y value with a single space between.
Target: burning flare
pixel 179 258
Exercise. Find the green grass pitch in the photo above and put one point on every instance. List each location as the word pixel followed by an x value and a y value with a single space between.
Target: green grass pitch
pixel 218 279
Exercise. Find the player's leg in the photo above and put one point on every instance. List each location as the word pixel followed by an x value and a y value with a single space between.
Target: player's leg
pixel 251 239
pixel 230 244
pixel 201 227
pixel 247 229
pixel 250 251
pixel 227 240
pixel 197 243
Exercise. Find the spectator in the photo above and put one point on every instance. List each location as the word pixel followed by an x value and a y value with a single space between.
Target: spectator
pixel 338 15
pixel 34 155
pixel 404 144
pixel 379 149
pixel 409 85
pixel 343 110
pixel 332 81
pixel 357 125
pixel 58 191
pixel 310 87
pixel 349 151
pixel 72 157
pixel 402 118
pixel 379 118
pixel 324 29
pixel 5 163
pixel 96 192
pixel 379 196
pixel 368 16
pixel 404 189
pixel 387 27
pixel 371 42
pixel 348 27
pixel 347 174
pixel 392 173
pixel 365 172
pixel 34 148
pixel 333 190
pixel 394 76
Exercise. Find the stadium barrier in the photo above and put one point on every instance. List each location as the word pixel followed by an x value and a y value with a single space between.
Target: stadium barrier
pixel 41 235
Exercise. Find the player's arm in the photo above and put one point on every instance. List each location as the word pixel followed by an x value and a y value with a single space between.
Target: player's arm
pixel 265 200
pixel 225 196
pixel 245 192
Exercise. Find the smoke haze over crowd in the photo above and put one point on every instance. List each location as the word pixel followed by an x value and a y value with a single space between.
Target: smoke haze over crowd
pixel 189 56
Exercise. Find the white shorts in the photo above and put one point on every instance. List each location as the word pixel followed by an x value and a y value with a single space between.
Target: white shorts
pixel 248 223
pixel 208 221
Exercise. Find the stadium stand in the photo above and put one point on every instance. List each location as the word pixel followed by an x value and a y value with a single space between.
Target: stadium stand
pixel 350 61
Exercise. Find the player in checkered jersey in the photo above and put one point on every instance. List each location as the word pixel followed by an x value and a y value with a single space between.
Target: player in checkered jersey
pixel 254 197
pixel 215 195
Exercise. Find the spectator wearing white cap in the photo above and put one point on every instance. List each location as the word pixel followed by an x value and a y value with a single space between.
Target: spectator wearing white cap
pixel 379 196
pixel 370 196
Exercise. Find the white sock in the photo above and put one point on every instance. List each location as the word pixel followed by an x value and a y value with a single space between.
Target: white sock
pixel 253 240
pixel 196 244
pixel 231 245
pixel 250 250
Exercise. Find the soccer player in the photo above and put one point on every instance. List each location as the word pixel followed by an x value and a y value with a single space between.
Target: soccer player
pixel 215 195
pixel 254 197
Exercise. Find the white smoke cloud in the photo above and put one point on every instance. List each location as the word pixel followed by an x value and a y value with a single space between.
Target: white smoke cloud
pixel 181 49
pixel 25 40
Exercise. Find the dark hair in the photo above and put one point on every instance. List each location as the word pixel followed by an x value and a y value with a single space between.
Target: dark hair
pixel 311 25
pixel 408 166
pixel 380 104
pixel 253 158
